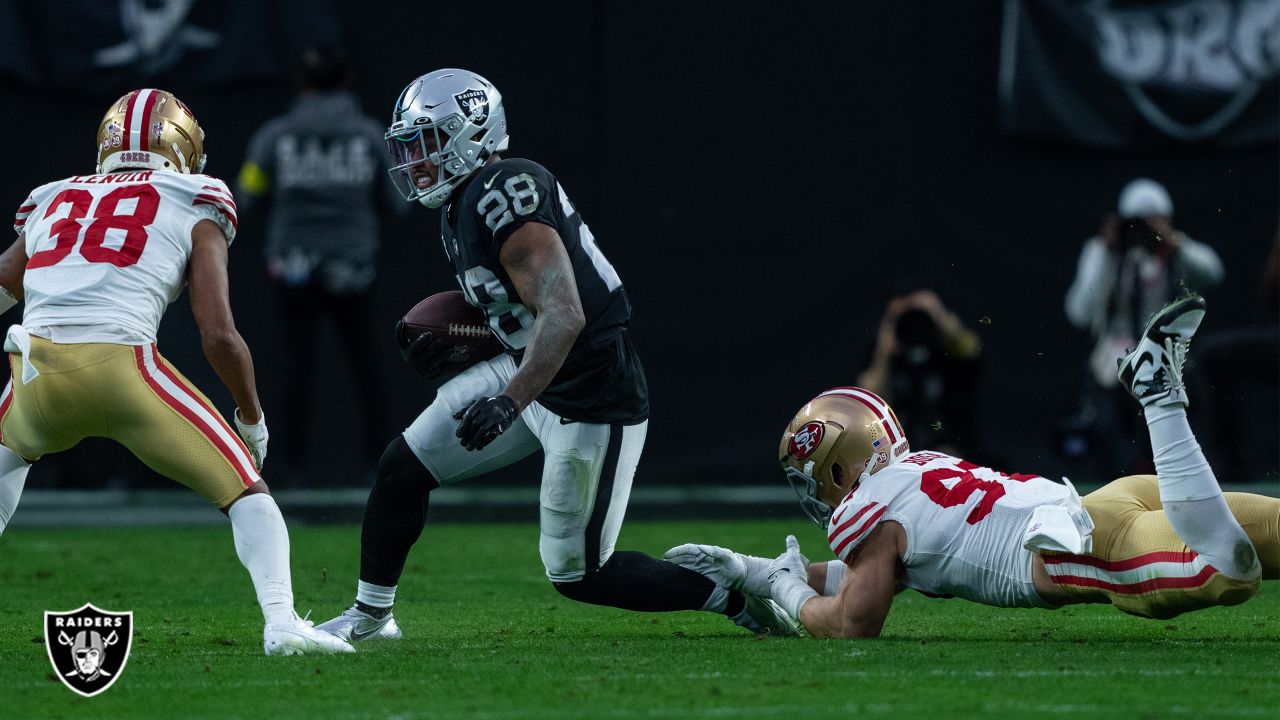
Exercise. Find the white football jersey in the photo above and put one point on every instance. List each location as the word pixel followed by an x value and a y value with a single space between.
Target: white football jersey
pixel 108 253
pixel 965 525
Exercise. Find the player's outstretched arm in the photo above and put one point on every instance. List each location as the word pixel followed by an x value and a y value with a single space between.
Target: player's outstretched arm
pixel 222 344
pixel 535 259
pixel 13 267
pixel 866 593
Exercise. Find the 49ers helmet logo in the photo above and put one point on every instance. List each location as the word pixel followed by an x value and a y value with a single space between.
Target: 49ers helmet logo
pixel 806 440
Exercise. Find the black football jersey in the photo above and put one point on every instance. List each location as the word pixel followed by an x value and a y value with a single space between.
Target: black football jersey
pixel 601 380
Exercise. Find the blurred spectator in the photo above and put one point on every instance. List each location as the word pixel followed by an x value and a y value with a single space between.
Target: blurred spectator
pixel 925 363
pixel 322 167
pixel 1241 369
pixel 1137 263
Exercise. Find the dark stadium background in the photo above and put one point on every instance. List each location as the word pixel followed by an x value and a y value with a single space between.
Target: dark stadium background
pixel 760 175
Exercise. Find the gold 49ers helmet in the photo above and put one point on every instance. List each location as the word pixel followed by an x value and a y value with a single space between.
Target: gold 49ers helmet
pixel 836 441
pixel 150 129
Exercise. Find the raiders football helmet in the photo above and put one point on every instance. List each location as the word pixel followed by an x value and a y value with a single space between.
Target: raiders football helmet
pixel 452 118
pixel 150 129
pixel 835 442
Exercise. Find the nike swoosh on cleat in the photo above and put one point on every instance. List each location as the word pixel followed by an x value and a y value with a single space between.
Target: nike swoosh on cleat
pixel 1144 359
pixel 356 635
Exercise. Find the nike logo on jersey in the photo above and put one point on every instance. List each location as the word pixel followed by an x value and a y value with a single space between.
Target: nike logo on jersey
pixel 489 184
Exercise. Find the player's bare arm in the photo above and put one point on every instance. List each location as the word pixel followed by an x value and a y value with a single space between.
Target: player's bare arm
pixel 211 307
pixel 13 266
pixel 862 603
pixel 535 258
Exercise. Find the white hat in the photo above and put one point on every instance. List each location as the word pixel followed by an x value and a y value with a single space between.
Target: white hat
pixel 1144 197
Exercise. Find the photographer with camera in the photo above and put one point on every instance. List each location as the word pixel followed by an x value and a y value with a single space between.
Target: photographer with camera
pixel 926 363
pixel 1137 263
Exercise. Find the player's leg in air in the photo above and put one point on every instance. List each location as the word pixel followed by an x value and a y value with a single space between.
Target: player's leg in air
pixel 1172 543
pixel 587 474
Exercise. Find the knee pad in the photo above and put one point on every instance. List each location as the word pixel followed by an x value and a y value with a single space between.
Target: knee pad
pixel 399 468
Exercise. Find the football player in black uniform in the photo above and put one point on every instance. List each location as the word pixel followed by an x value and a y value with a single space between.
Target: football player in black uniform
pixel 570 383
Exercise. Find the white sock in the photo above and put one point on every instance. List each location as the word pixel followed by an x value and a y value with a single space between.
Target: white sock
pixel 1192 498
pixel 262 544
pixel 13 476
pixel 379 596
pixel 835 573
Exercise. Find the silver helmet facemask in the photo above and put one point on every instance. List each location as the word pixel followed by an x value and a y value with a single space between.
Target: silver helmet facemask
pixel 452 119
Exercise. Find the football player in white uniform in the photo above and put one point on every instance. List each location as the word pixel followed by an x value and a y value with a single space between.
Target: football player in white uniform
pixel 1154 546
pixel 98 258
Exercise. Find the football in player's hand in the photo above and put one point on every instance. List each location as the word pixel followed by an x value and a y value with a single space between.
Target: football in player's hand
pixel 463 327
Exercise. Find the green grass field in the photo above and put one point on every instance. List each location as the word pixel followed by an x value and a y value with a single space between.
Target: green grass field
pixel 487 637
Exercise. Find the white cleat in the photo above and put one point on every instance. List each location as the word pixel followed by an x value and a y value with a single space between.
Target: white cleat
pixel 355 625
pixel 744 573
pixel 766 617
pixel 297 637
pixel 1152 372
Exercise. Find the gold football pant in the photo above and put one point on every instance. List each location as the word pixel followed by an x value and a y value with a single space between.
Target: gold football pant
pixel 129 394
pixel 1139 563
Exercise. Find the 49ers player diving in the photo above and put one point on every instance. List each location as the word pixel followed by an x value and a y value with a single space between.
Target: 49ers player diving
pixel 1152 545
pixel 98 258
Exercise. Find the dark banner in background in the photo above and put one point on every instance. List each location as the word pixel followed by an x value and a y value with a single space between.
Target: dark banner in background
pixel 97 49
pixel 1124 75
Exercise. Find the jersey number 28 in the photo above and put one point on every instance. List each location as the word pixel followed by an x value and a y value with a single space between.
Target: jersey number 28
pixel 67 231
pixel 496 209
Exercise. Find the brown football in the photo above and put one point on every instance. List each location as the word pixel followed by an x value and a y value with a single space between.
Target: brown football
pixel 465 328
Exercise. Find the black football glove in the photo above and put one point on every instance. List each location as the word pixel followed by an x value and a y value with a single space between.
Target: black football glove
pixel 426 354
pixel 486 419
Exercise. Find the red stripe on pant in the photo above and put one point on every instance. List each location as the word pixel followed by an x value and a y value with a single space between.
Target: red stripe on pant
pixel 8 398
pixel 186 412
pixel 1173 556
pixel 217 416
pixel 1172 583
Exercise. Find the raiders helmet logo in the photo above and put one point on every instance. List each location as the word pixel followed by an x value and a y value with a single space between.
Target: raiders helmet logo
pixel 805 440
pixel 474 105
pixel 88 647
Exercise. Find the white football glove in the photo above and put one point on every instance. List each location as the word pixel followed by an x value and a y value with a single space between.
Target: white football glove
pixel 791 562
pixel 255 437
pixel 789 579
pixel 724 567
